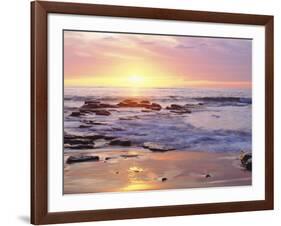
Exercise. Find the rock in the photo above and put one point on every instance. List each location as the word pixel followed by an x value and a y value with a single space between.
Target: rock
pixel 82 139
pixel 128 103
pixel 244 157
pixel 129 117
pixel 92 122
pixel 175 107
pixel 200 104
pixel 129 156
pixel 155 107
pixel 248 165
pixel 157 147
pixel 125 118
pixel 117 129
pixel 110 157
pixel 145 102
pixel 79 146
pixel 246 160
pixel 96 107
pixel 82 158
pixel 179 109
pixel 91 102
pixel 184 111
pixel 102 112
pixel 146 110
pixel 109 137
pixel 75 114
pixel 164 179
pixel 144 105
pixel 208 175
pixel 94 136
pixel 120 142
pixel 85 126
pixel 195 106
pixel 78 141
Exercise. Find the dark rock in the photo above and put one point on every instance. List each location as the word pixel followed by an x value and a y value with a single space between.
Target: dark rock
pixel 92 102
pixel 110 157
pixel 94 136
pixel 117 129
pixel 87 121
pixel 95 106
pixel 157 147
pixel 75 114
pixel 82 158
pixel 208 175
pixel 183 111
pixel 195 106
pixel 92 122
pixel 79 146
pixel 175 107
pixel 117 172
pixel 179 109
pixel 129 156
pixel 245 157
pixel 128 103
pixel 120 142
pixel 85 141
pixel 246 160
pixel 85 126
pixel 145 102
pixel 109 137
pixel 146 110
pixel 155 107
pixel 129 117
pixel 248 165
pixel 164 179
pixel 102 112
pixel 78 141
pixel 144 105
pixel 125 118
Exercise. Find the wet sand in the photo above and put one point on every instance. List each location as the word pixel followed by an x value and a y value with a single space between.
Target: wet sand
pixel 137 169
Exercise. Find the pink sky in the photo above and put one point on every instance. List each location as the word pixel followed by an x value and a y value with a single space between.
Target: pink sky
pixel 114 59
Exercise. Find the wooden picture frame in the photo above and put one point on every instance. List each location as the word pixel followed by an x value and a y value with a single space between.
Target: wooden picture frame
pixel 39 109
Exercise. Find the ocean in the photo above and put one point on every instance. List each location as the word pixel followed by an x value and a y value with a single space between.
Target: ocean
pixel 220 119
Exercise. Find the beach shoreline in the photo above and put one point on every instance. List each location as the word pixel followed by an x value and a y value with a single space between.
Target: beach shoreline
pixel 122 169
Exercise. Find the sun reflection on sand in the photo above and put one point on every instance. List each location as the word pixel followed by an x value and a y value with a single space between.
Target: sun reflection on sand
pixel 137 180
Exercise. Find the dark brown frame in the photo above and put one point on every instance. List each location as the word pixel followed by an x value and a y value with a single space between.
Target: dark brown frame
pixel 39 107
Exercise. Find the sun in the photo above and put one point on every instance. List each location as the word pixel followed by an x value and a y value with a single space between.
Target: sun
pixel 136 80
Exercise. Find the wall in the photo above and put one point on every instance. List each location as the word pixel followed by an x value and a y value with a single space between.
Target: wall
pixel 14 158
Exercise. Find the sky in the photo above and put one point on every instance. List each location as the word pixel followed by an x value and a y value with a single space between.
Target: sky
pixel 96 59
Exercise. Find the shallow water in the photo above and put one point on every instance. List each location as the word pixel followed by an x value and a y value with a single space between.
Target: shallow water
pixel 223 123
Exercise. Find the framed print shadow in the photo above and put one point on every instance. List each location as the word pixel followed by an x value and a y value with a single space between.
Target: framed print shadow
pixel 147 112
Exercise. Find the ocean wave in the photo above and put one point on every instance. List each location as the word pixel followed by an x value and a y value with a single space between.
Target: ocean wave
pixel 225 99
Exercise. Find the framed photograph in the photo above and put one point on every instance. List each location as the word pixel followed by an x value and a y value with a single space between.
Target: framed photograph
pixel 147 112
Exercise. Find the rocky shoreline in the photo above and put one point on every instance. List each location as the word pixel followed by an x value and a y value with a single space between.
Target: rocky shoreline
pixel 96 140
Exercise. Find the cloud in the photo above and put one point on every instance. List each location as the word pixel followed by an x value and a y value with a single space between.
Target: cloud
pixel 147 43
pixel 181 46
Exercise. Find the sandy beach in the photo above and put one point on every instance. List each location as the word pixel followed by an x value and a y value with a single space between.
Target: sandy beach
pixel 137 169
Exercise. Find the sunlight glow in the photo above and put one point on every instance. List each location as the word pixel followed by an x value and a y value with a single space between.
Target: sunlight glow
pixel 136 80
